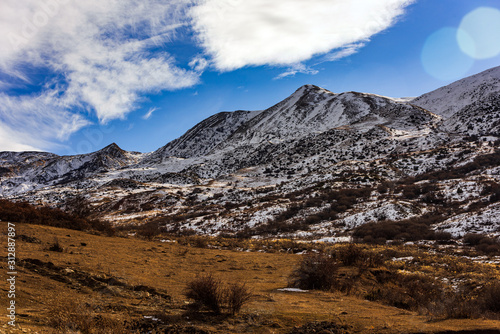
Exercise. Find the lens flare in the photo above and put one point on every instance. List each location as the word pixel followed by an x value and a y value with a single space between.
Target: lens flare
pixel 479 33
pixel 441 56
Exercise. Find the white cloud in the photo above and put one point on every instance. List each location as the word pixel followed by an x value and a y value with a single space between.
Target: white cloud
pixel 296 68
pixel 34 122
pixel 347 51
pixel 101 51
pixel 150 112
pixel 105 55
pixel 238 33
pixel 13 141
pixel 199 64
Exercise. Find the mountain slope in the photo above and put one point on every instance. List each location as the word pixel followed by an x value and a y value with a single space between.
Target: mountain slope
pixel 32 170
pixel 450 99
pixel 204 136
pixel 313 110
pixel 317 164
pixel 480 118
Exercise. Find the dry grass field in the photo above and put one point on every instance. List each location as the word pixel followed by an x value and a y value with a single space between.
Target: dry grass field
pixel 70 281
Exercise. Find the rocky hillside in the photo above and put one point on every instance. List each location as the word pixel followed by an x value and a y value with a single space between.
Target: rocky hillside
pixel 316 165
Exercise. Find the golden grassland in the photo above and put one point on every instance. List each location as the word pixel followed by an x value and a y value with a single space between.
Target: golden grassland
pixel 104 284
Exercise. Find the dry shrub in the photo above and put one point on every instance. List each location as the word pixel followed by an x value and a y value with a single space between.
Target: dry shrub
pixel 473 239
pixel 412 229
pixel 199 241
pixel 237 295
pixel 70 316
pixel 451 306
pixel 468 302
pixel 209 292
pixel 23 212
pixel 482 243
pixel 149 230
pixel 406 291
pixel 356 255
pixel 206 291
pixel 315 271
pixel 349 255
pixel 56 246
pixel 489 298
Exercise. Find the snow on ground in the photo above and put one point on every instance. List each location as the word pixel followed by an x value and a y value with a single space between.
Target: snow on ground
pixel 262 216
pixel 461 190
pixel 388 211
pixel 487 221
pixel 334 240
pixel 292 290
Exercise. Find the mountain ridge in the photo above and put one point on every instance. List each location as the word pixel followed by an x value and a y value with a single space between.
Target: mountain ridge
pixel 243 169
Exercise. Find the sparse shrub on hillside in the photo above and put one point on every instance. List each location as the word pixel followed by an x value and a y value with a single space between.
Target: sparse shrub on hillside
pixel 480 162
pixel 315 271
pixel 406 291
pixel 473 239
pixel 56 246
pixel 356 255
pixel 149 230
pixel 276 226
pixel 78 206
pixel 237 295
pixel 493 190
pixel 489 298
pixel 26 213
pixel 379 232
pixel 467 302
pixel 349 255
pixel 206 291
pixel 385 187
pixel 482 243
pixel 68 316
pixel 209 292
pixel 442 237
pixel 413 229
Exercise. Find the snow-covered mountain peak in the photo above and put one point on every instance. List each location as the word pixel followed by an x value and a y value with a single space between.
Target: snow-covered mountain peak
pixel 449 100
pixel 112 150
pixel 311 89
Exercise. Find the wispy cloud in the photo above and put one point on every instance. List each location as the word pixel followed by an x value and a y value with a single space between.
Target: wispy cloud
pixel 346 51
pixel 33 122
pixel 238 33
pixel 150 112
pixel 296 68
pixel 103 53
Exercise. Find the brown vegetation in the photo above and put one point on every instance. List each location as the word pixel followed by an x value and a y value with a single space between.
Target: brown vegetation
pixel 128 285
pixel 23 212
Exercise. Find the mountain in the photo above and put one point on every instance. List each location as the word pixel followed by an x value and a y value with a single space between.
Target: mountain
pixel 451 99
pixel 204 137
pixel 27 171
pixel 313 110
pixel 317 164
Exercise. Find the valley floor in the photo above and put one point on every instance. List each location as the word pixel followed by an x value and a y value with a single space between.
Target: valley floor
pixel 103 281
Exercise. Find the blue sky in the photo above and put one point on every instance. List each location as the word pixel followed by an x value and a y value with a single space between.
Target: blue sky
pixel 77 76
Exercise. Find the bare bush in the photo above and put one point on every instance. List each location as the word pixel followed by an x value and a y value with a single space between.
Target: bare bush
pixel 350 255
pixel 70 316
pixel 56 246
pixel 482 243
pixel 315 271
pixel 207 291
pixel 490 298
pixel 236 296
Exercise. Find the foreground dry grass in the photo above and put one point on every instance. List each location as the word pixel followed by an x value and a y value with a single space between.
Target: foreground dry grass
pixel 117 279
